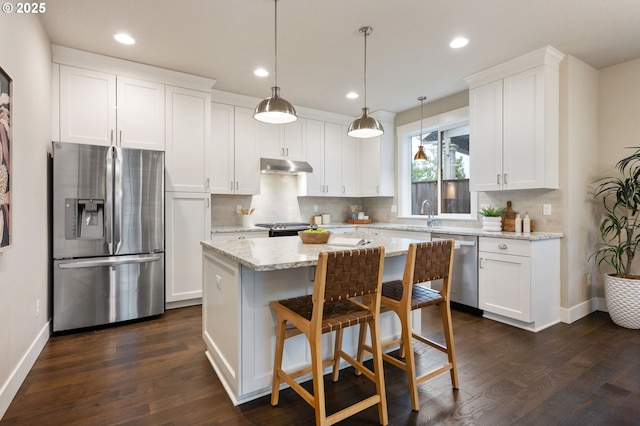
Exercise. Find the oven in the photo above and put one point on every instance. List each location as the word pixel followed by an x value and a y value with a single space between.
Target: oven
pixel 284 229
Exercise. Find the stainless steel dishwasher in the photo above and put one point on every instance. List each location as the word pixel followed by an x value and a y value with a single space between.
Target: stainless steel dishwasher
pixel 464 283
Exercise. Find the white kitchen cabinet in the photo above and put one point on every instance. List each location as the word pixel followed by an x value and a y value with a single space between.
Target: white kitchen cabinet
pixel 376 163
pixel 188 137
pixel 514 124
pixel 284 141
pixel 235 160
pixel 519 281
pixel 187 222
pixel 324 155
pixel 101 108
pixel 349 169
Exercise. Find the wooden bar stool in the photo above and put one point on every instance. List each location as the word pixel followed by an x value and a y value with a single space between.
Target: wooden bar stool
pixel 340 276
pixel 425 262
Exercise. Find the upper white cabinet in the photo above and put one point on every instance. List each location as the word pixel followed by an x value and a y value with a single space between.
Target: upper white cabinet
pixel 235 161
pixel 324 154
pixel 188 140
pixel 514 123
pixel 104 109
pixel 376 160
pixel 284 141
pixel 349 169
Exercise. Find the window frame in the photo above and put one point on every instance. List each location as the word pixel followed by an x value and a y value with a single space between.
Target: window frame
pixel 405 133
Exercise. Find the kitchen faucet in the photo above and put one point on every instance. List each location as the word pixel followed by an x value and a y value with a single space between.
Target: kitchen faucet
pixel 431 221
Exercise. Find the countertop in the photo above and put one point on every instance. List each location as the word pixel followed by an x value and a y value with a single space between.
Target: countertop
pixel 414 228
pixel 269 254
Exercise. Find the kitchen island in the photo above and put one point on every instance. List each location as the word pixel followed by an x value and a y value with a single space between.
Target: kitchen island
pixel 241 277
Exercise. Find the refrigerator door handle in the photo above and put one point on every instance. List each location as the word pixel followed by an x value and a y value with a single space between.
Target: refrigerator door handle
pixel 109 261
pixel 118 195
pixel 108 208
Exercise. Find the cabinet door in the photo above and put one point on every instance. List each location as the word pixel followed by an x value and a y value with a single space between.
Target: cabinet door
pixel 188 221
pixel 188 137
pixel 314 139
pixel 524 130
pixel 271 143
pixel 504 285
pixel 246 152
pixel 140 114
pixel 369 165
pixel 332 159
pixel 222 142
pixel 294 143
pixel 87 106
pixel 349 167
pixel 485 131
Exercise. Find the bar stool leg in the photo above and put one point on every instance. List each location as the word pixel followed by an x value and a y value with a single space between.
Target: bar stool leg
pixel 277 363
pixel 445 311
pixel 318 380
pixel 336 355
pixel 409 359
pixel 379 371
pixel 361 340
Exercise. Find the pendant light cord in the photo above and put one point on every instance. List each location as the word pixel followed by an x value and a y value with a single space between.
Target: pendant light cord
pixel 275 38
pixel 366 33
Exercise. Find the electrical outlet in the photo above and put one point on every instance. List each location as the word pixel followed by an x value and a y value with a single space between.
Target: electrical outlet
pixel 38 308
pixel 546 209
pixel 315 209
pixel 238 208
pixel 588 279
pixel 394 209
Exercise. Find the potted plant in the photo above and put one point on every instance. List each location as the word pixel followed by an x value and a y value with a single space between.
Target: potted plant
pixel 492 218
pixel 620 233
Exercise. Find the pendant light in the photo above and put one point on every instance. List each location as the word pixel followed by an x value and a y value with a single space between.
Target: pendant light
pixel 420 155
pixel 365 126
pixel 275 110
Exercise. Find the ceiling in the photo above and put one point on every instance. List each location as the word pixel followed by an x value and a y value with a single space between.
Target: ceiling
pixel 321 51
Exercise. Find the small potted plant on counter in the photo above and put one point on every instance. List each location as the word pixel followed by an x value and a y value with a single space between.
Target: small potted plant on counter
pixel 492 218
pixel 620 233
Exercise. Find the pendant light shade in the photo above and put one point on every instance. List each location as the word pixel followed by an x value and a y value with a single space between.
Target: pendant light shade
pixel 275 110
pixel 365 126
pixel 420 155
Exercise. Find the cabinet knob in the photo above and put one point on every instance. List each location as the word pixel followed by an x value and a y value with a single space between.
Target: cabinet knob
pixel 502 246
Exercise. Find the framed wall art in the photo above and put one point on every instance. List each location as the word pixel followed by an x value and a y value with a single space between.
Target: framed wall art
pixel 5 160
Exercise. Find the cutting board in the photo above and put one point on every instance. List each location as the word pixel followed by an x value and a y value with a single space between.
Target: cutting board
pixel 509 219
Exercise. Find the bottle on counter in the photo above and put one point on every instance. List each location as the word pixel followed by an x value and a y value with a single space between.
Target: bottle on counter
pixel 526 224
pixel 518 224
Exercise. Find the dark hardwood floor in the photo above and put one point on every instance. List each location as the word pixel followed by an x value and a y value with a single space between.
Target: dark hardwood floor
pixel 155 373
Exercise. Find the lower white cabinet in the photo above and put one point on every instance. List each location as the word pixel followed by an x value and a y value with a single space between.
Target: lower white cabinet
pixel 519 281
pixel 187 222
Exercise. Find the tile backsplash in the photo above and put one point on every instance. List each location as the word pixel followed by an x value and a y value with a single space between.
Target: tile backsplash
pixel 278 202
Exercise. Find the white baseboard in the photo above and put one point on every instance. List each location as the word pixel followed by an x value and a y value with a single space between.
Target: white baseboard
pixel 570 315
pixel 12 385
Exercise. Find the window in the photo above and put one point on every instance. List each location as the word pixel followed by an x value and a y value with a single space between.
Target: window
pixel 439 185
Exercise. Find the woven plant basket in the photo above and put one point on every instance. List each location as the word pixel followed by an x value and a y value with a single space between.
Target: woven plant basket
pixel 623 300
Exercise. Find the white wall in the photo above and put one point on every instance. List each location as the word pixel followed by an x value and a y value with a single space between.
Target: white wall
pixel 578 160
pixel 25 54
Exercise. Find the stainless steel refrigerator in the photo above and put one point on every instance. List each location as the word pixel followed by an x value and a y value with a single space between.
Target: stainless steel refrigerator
pixel 108 235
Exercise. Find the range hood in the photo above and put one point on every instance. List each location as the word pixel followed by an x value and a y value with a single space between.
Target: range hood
pixel 273 165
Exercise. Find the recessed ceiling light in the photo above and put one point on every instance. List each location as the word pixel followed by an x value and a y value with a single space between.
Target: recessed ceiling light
pixel 124 38
pixel 352 95
pixel 458 42
pixel 261 72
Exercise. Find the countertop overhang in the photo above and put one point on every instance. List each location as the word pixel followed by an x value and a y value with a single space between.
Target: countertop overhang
pixel 269 254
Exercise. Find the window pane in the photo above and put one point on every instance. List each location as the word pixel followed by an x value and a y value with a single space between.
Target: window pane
pixel 455 194
pixel 424 175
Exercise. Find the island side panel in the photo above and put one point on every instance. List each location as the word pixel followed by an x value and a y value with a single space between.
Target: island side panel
pixel 221 318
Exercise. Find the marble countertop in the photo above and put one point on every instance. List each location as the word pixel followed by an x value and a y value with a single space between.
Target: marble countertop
pixel 415 228
pixel 268 254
